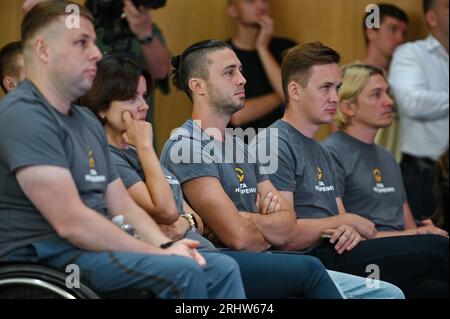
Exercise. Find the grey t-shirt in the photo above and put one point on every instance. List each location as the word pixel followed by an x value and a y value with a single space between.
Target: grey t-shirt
pixel 370 180
pixel 190 153
pixel 131 172
pixel 304 169
pixel 34 133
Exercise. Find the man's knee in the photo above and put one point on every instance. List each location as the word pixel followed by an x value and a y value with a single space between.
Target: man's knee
pixel 432 244
pixel 184 279
pixel 391 290
pixel 222 263
pixel 314 264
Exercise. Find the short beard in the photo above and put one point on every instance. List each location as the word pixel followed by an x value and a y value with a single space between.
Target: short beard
pixel 227 109
pixel 222 105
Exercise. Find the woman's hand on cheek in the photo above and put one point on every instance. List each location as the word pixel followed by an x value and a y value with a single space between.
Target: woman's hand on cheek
pixel 138 133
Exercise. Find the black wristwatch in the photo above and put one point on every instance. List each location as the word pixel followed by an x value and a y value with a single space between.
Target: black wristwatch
pixel 147 39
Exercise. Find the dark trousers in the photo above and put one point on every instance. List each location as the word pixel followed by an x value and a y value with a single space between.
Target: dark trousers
pixel 418 178
pixel 416 264
pixel 280 276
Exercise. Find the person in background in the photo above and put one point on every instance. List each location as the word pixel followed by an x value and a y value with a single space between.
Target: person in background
pixel 124 28
pixel 12 66
pixel 419 77
pixel 261 54
pixel 381 44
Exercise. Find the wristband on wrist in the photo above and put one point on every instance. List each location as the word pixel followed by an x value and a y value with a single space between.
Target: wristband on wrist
pixel 146 39
pixel 167 245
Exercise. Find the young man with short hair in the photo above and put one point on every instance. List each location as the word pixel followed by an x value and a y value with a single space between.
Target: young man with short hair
pixel 419 78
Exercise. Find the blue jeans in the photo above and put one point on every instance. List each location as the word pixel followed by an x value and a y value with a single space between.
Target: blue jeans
pixel 281 276
pixel 165 277
pixel 354 287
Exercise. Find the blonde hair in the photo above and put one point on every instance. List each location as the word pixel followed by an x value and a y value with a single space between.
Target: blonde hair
pixel 354 79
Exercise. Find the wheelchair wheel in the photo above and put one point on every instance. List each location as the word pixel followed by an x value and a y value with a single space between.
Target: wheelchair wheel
pixel 30 281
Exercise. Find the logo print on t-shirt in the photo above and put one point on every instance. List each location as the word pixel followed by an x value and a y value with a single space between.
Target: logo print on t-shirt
pixel 380 188
pixel 319 173
pixel 377 175
pixel 93 176
pixel 91 159
pixel 240 174
pixel 172 181
pixel 322 187
pixel 243 188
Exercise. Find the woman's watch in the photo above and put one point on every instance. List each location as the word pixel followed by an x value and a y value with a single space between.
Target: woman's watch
pixel 146 39
pixel 193 225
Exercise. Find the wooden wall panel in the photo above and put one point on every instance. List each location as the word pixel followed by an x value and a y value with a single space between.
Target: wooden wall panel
pixel 334 22
pixel 337 23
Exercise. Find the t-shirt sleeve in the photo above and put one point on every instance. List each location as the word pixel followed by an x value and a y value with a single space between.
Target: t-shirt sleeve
pixel 260 173
pixel 398 173
pixel 29 137
pixel 284 178
pixel 186 168
pixel 126 172
pixel 112 168
pixel 337 169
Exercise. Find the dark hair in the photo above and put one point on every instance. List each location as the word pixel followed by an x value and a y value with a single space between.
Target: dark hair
pixel 386 10
pixel 117 80
pixel 193 63
pixel 428 5
pixel 44 13
pixel 299 60
pixel 8 55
